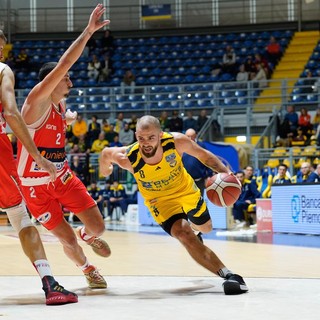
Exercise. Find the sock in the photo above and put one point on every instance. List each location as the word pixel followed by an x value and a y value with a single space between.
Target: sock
pixel 85 265
pixel 84 236
pixel 43 268
pixel 224 272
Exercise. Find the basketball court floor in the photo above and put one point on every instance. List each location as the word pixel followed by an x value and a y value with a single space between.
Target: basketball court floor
pixel 150 276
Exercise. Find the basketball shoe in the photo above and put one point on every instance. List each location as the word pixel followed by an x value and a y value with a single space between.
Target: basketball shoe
pixel 94 279
pixel 234 284
pixel 55 293
pixel 98 245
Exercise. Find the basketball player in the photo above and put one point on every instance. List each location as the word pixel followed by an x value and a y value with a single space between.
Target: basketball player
pixel 169 191
pixel 44 112
pixel 10 196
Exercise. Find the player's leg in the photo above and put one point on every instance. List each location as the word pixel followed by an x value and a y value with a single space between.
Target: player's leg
pixel 64 232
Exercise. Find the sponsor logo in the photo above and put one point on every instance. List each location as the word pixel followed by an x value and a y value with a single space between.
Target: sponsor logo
pixel 171 159
pixel 44 218
pixel 305 209
pixel 264 214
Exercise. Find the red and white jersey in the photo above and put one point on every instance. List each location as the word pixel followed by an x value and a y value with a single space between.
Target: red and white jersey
pixel 2 120
pixel 48 134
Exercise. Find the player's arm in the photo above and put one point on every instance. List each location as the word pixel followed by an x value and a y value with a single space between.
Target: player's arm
pixel 38 99
pixel 113 155
pixel 16 123
pixel 184 144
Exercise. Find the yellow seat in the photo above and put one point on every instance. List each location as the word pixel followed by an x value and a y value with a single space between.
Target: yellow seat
pixel 279 152
pixel 298 164
pixel 310 151
pixel 296 151
pixel 272 163
pixel 286 162
pixel 316 161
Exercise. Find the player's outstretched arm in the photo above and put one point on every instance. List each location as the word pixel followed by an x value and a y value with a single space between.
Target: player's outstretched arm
pixel 184 144
pixel 17 125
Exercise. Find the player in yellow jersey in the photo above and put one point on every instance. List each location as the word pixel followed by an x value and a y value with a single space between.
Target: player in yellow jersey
pixel 169 191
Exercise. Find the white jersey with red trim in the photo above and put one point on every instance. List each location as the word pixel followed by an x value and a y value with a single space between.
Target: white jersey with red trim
pixel 48 134
pixel 2 120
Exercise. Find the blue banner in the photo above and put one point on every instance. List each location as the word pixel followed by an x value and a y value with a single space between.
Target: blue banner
pixel 156 12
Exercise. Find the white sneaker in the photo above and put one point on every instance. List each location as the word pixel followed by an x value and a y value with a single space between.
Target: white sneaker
pixel 107 218
pixel 122 218
pixel 239 224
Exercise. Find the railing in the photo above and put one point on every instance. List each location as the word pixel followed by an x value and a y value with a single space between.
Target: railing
pixel 49 18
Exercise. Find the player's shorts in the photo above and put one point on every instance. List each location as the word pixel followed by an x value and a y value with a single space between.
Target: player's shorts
pixel 45 201
pixel 166 211
pixel 10 195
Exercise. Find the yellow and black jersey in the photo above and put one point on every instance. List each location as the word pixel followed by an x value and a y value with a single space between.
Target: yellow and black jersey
pixel 167 179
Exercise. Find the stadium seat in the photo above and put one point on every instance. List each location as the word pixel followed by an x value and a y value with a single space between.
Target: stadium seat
pixel 264 181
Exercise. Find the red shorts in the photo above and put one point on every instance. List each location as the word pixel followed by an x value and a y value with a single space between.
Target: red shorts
pixel 45 202
pixel 10 195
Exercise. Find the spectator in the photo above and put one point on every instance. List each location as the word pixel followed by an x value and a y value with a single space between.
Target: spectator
pixel 95 193
pixel 242 77
pixel 292 118
pixel 126 135
pixel 82 144
pixel 94 68
pixel 273 51
pixel 78 168
pixel 111 134
pixel 117 193
pixel 164 121
pixel 79 127
pixel 260 78
pixel 202 119
pixel 107 43
pixel 105 193
pixel 305 172
pixel 115 142
pixel 308 84
pixel 100 143
pixel 22 61
pixel 249 175
pixel 304 121
pixel 258 59
pixel 248 196
pixel 175 122
pixel 250 67
pixel 300 139
pixel 106 68
pixel 119 122
pixel 11 60
pixel 282 176
pixel 315 175
pixel 93 130
pixel 198 171
pixel 130 199
pixel 316 119
pixel 133 122
pixel 189 122
pixel 106 127
pixel 229 61
pixel 128 82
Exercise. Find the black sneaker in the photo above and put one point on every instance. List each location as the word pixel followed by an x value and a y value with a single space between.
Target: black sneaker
pixel 56 294
pixel 234 284
pixel 199 235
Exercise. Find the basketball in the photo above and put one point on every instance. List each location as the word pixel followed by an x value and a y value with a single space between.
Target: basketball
pixel 223 189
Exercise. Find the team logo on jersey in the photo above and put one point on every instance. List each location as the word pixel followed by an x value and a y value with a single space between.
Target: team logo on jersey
pixel 44 218
pixel 171 159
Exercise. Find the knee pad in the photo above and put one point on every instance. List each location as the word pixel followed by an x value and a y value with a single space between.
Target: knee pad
pixel 18 217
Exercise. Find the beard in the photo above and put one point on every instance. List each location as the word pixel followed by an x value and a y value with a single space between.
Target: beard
pixel 151 153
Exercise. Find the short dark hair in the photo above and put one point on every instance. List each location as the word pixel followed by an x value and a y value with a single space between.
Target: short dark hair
pixel 2 36
pixel 46 69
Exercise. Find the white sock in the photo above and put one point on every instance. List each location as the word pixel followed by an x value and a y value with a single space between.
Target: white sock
pixel 84 236
pixel 43 268
pixel 224 272
pixel 85 265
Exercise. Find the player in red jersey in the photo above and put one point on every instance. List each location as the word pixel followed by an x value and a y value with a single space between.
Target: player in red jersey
pixel 44 112
pixel 10 196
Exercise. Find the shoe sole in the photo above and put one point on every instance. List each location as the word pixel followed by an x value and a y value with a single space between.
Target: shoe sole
pixel 98 286
pixel 233 287
pixel 55 301
pixel 105 251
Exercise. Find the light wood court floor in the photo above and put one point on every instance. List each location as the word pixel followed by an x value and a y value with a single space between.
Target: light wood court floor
pixel 150 276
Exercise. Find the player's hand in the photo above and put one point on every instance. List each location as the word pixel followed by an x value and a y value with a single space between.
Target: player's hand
pixel 94 22
pixel 47 166
pixel 71 116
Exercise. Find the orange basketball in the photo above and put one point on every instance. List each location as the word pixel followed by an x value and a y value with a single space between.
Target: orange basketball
pixel 223 189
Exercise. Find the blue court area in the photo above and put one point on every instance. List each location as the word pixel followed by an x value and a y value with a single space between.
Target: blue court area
pixel 244 235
